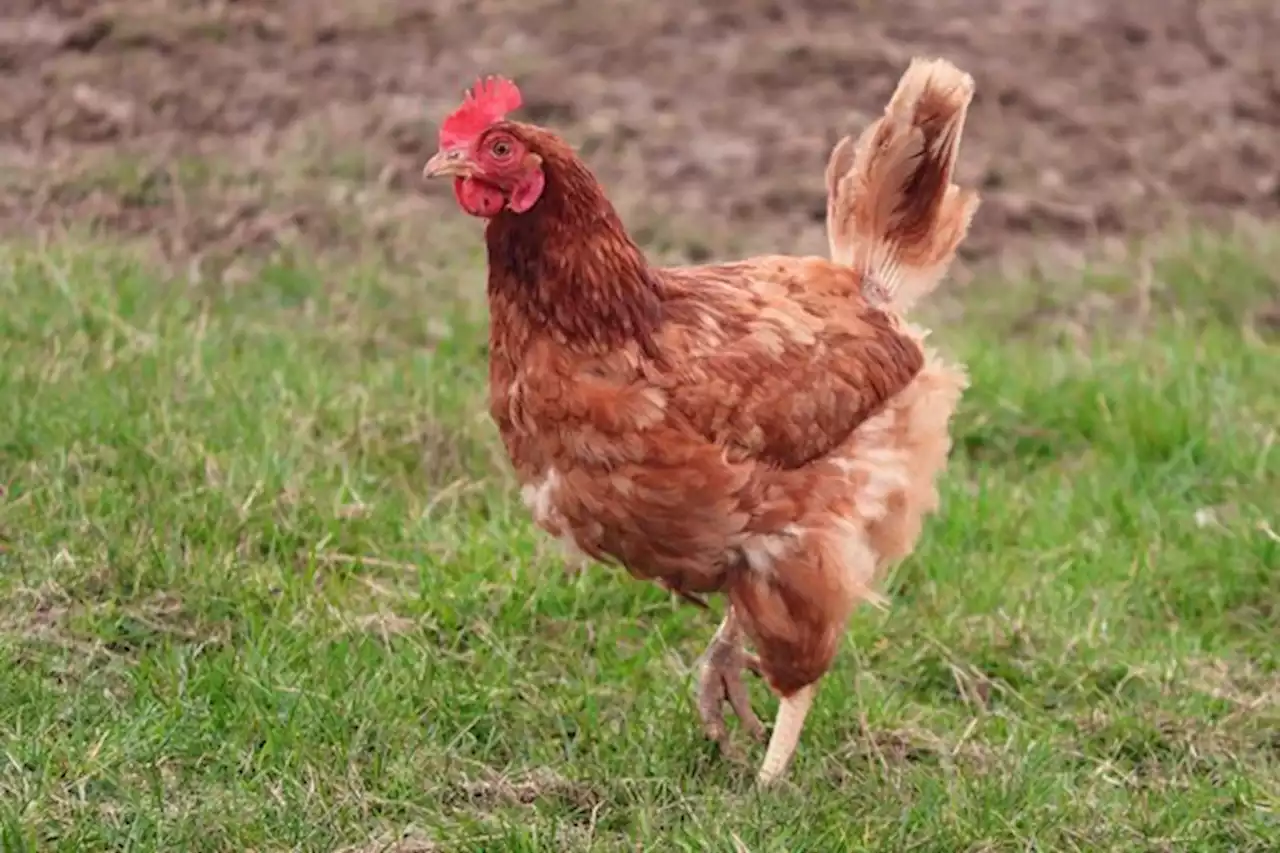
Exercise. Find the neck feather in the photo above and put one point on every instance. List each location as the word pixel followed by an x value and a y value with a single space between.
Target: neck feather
pixel 568 263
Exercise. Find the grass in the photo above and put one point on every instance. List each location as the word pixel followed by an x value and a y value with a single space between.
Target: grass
pixel 264 586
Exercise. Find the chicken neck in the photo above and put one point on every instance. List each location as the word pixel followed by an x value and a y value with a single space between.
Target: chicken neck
pixel 569 266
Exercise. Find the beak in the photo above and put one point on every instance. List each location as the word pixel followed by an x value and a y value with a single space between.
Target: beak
pixel 448 161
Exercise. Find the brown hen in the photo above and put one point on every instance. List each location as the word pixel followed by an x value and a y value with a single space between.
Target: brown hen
pixel 770 429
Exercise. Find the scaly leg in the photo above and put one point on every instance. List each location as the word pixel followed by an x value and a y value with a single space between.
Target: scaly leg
pixel 721 681
pixel 786 734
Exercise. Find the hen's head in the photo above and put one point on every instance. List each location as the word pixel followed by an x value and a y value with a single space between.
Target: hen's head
pixel 490 159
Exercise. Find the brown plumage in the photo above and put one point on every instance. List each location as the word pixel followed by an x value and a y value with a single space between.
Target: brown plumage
pixel 770 429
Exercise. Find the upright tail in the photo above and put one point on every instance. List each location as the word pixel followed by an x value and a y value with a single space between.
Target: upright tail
pixel 892 210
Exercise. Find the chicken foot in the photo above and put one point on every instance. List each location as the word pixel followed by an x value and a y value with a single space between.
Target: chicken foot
pixel 720 681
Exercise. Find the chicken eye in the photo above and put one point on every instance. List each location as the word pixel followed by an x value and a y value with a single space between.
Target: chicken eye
pixel 501 148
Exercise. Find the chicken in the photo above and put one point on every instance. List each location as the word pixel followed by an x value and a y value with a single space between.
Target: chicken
pixel 769 429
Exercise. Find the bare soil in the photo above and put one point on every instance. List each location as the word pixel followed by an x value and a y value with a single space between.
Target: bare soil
pixel 239 125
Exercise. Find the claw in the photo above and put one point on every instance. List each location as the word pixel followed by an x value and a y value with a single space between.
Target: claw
pixel 721 682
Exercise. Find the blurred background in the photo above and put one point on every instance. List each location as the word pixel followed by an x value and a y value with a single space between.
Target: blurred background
pixel 225 126
pixel 265 579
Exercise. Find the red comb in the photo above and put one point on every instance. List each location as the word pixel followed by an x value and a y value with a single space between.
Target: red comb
pixel 489 100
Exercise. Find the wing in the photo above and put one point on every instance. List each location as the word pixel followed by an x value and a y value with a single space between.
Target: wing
pixel 643 456
pixel 781 358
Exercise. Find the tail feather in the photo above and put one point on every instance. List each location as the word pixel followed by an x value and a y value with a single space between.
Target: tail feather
pixel 892 211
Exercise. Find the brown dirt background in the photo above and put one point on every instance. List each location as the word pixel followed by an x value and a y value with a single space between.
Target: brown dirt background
pixel 233 126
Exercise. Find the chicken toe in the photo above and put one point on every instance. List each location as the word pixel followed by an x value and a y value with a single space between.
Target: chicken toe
pixel 721 682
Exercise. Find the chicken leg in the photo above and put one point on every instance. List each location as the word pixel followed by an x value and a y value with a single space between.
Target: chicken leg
pixel 721 681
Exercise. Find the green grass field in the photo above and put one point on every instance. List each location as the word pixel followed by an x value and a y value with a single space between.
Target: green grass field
pixel 264 586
